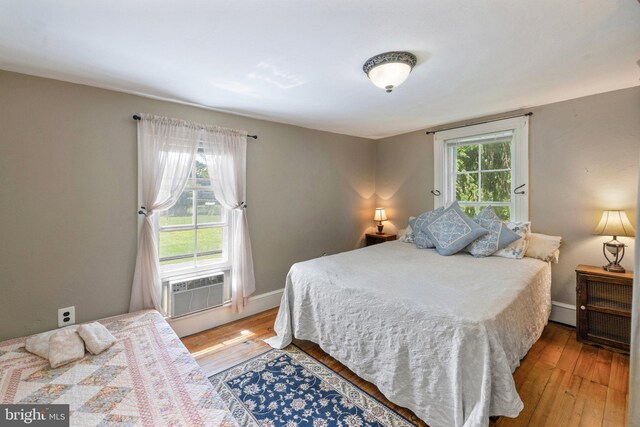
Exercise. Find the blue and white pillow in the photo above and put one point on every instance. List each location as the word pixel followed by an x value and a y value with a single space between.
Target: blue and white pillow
pixel 453 230
pixel 419 235
pixel 499 235
pixel 517 249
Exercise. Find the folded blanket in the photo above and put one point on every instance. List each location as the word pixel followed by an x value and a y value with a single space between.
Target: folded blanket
pixel 39 344
pixel 65 346
pixel 96 337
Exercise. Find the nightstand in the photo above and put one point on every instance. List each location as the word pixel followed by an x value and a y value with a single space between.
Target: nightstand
pixel 603 307
pixel 374 239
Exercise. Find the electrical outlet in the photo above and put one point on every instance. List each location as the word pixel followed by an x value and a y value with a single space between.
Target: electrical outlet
pixel 66 316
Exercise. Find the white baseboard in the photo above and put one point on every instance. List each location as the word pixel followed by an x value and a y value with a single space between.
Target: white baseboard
pixel 208 319
pixel 563 313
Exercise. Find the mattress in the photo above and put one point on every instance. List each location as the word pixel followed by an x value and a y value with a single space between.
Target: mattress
pixel 148 378
pixel 438 335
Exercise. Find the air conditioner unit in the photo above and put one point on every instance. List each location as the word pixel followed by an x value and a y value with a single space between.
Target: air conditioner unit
pixel 186 295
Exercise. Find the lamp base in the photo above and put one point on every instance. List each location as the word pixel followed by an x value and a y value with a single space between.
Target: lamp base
pixel 617 250
pixel 614 268
pixel 380 227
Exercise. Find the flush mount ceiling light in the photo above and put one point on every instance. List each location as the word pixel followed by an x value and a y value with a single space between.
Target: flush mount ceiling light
pixel 390 69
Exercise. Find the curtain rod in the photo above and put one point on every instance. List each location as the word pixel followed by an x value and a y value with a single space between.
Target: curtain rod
pixel 480 123
pixel 137 117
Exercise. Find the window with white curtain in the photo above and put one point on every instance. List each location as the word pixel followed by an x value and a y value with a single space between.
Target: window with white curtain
pixel 194 233
pixel 191 191
pixel 484 165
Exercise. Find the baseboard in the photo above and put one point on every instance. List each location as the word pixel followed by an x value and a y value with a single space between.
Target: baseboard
pixel 563 313
pixel 208 319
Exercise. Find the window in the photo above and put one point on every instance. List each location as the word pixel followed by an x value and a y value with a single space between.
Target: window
pixel 482 165
pixel 194 233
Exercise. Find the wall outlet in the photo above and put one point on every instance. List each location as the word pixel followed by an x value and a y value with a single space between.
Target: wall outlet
pixel 66 316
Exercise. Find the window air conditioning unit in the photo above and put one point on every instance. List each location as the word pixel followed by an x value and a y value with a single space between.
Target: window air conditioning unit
pixel 187 295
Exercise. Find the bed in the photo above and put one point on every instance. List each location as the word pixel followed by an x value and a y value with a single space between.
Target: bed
pixel 147 378
pixel 438 335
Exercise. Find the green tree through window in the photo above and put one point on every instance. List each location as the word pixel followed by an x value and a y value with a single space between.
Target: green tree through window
pixel 483 176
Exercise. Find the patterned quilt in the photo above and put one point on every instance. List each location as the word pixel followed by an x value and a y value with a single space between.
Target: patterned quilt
pixel 148 378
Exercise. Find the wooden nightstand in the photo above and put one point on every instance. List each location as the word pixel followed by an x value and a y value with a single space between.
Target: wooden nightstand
pixel 374 239
pixel 603 307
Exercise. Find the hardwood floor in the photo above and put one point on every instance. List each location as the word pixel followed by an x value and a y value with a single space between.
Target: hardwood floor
pixel 561 381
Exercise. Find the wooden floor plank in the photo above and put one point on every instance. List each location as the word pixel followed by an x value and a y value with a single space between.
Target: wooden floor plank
pixel 586 361
pixel 619 379
pixel 570 354
pixel 615 411
pixel 562 382
pixel 551 394
pixel 553 350
pixel 594 405
pixel 581 401
pixel 561 414
pixel 602 368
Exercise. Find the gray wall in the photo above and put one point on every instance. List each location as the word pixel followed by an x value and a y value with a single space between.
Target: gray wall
pixel 68 190
pixel 68 183
pixel 583 158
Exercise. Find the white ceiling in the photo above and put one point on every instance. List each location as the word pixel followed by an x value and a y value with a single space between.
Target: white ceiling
pixel 300 62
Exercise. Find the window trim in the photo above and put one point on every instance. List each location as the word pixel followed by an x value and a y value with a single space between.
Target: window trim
pixel 444 166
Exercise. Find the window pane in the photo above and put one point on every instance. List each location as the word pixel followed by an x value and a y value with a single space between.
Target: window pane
pixel 177 246
pixel 201 170
pixel 209 210
pixel 503 212
pixel 471 211
pixel 467 158
pixel 496 186
pixel 496 155
pixel 209 243
pixel 181 213
pixel 467 187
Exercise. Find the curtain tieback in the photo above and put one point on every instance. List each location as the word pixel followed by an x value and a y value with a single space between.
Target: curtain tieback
pixel 144 211
pixel 241 205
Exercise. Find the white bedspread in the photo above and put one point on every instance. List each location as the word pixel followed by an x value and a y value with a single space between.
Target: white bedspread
pixel 438 335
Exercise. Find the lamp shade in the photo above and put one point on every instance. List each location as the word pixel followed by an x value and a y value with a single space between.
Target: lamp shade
pixel 380 215
pixel 615 223
pixel 389 75
pixel 390 69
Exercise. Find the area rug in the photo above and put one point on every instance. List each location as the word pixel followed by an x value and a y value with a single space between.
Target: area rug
pixel 290 388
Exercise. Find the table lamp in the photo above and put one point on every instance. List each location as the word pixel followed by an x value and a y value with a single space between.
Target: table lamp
pixel 380 216
pixel 614 223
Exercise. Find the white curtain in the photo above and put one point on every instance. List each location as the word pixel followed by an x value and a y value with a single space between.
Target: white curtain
pixel 166 150
pixel 226 154
pixel 634 368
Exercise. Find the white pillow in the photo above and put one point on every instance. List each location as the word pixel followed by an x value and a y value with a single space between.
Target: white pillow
pixel 96 337
pixel 406 235
pixel 65 347
pixel 544 247
pixel 517 249
pixel 39 344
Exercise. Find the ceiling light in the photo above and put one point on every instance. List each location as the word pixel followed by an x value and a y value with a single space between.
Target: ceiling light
pixel 390 69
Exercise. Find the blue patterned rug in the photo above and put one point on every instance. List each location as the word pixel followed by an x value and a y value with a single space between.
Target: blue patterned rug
pixel 290 388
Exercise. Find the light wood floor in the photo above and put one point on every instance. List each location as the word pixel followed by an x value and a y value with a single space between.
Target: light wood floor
pixel 561 381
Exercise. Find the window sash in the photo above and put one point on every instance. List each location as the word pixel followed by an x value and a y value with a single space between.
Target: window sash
pixel 516 130
pixel 168 270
